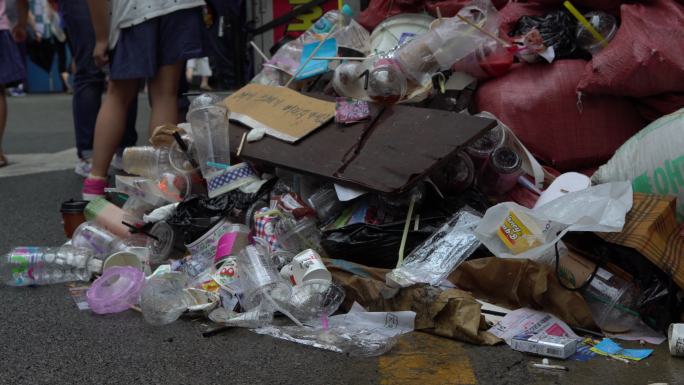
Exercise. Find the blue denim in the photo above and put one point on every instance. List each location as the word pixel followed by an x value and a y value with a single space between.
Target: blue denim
pixel 89 80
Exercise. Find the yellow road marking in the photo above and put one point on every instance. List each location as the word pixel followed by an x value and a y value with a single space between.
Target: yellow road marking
pixel 421 358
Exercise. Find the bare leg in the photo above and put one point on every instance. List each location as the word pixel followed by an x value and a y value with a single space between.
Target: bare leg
pixel 163 92
pixel 3 121
pixel 111 123
pixel 188 74
pixel 205 84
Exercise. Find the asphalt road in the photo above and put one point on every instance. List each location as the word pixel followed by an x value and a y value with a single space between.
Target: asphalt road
pixel 45 339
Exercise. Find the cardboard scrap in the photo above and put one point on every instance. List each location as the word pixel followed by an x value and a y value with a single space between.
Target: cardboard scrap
pixel 278 111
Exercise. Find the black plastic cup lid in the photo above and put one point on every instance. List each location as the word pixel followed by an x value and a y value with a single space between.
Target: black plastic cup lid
pixel 72 206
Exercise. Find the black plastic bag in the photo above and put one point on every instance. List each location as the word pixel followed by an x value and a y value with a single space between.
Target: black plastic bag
pixel 196 214
pixel 556 28
pixel 375 245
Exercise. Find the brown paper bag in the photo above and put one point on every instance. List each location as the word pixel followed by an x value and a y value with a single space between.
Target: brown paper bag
pixel 449 313
pixel 516 283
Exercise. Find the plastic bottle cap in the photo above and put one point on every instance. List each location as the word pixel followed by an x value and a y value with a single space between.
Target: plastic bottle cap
pixel 347 10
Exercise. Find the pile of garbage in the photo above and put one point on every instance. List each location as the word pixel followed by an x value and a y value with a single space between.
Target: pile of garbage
pixel 483 245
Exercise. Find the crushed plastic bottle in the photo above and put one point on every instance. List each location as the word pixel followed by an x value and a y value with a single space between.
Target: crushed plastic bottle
pixel 24 266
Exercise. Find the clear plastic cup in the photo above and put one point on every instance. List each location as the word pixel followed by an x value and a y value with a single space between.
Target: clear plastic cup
pixel 604 23
pixel 146 161
pixel 386 82
pixel 482 148
pixel 179 159
pixel 501 172
pixel 489 60
pixel 209 121
pixel 260 282
pixel 162 299
pixel 296 236
pixel 95 238
pixel 612 301
pixel 456 176
pixel 315 298
pixel 326 204
pixel 165 243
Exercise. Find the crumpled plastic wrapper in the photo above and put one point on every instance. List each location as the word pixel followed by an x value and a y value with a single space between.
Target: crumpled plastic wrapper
pixel 440 254
pixel 358 333
pixel 358 343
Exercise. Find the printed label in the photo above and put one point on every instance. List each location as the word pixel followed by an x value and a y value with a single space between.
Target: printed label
pixel 516 235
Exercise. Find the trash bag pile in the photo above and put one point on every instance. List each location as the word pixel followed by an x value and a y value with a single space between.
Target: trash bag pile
pixel 195 230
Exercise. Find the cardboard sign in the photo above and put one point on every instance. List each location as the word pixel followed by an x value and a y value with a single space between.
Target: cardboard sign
pixel 278 111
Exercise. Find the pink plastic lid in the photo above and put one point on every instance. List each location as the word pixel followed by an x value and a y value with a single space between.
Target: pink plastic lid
pixel 116 290
pixel 225 245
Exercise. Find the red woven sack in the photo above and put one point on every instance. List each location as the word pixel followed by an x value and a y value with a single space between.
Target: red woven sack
pixel 379 10
pixel 539 103
pixel 645 58
pixel 654 107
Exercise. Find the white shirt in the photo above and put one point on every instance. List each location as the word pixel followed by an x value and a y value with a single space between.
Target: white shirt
pixel 127 13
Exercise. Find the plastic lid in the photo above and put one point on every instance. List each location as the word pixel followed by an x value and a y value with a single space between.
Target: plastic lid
pixel 116 290
pixel 161 248
pixel 205 100
pixel 72 206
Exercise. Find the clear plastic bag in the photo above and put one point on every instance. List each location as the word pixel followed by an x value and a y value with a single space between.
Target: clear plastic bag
pixel 513 231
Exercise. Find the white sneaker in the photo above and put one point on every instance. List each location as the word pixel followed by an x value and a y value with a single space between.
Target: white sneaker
pixel 83 168
pixel 117 162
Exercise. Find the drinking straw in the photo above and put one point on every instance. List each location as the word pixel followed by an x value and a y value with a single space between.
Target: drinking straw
pixel 484 31
pixel 597 36
pixel 242 144
pixel 339 58
pixel 315 51
pixel 218 165
pixel 184 148
pixel 439 13
pixel 256 48
pixel 404 235
pixel 135 230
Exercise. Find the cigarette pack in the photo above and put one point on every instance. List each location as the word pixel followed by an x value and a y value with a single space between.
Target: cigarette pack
pixel 545 345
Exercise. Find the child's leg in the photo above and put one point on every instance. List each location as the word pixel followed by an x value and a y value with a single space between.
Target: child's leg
pixel 111 123
pixel 3 121
pixel 163 92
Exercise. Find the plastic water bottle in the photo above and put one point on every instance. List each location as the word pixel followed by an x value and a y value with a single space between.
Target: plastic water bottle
pixel 101 242
pixel 24 266
pixel 330 18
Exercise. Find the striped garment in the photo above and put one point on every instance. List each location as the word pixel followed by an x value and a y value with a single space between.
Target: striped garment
pixel 651 228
